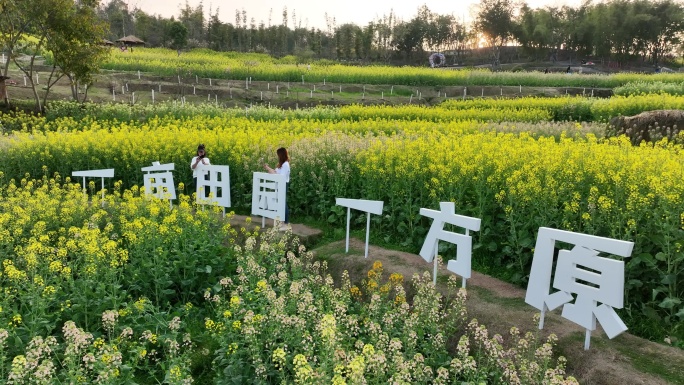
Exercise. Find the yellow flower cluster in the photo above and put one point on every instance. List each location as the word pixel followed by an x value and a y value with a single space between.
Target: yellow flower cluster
pixel 328 328
pixel 279 358
pixel 213 326
pixel 261 286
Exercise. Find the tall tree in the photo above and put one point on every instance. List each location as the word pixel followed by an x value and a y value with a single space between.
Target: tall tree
pixel 120 20
pixel 13 29
pixel 77 52
pixel 384 39
pixel 664 29
pixel 69 30
pixel 540 30
pixel 458 40
pixel 218 33
pixel 409 36
pixel 193 20
pixel 148 28
pixel 495 22
pixel 578 30
pixel 366 36
pixel 179 35
pixel 346 44
pixel 442 32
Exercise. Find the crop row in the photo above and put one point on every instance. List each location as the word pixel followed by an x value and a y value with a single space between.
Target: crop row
pixel 512 179
pixel 652 87
pixel 72 116
pixel 207 64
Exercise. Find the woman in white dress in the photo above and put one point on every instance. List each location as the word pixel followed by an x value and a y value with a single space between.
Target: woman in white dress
pixel 283 168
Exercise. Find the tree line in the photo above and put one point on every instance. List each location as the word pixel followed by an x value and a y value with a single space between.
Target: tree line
pixel 617 30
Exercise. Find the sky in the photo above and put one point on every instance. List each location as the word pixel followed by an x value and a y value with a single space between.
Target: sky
pixel 312 13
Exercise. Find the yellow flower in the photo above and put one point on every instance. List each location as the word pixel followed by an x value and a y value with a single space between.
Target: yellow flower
pixel 55 267
pixel 355 292
pixel 98 343
pixel 49 290
pixel 237 325
pixel 278 358
pixel 16 320
pixel 209 324
pixel 139 305
pixel 328 327
pixel 175 373
pixel 232 348
pixel 396 279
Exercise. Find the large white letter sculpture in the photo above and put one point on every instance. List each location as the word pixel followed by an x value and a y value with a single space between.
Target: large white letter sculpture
pixel 158 181
pixel 218 186
pixel 102 173
pixel 579 271
pixel 370 207
pixel 463 242
pixel 268 196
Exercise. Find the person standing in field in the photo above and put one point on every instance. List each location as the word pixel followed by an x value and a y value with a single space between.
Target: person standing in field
pixel 283 168
pixel 199 159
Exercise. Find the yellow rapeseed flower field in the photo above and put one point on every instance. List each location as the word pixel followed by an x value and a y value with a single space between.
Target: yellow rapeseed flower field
pixel 510 175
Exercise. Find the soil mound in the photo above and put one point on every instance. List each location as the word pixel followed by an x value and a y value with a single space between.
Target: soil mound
pixel 649 126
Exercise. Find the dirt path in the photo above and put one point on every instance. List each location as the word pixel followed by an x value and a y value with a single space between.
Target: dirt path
pixel 624 360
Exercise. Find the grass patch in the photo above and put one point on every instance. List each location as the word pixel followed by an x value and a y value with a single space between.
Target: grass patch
pixel 489 296
pixel 653 363
pixel 395 259
pixel 640 356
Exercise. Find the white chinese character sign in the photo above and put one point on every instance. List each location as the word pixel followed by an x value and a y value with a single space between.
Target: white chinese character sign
pixel 369 207
pixel 268 196
pixel 596 282
pixel 158 181
pixel 464 242
pixel 215 189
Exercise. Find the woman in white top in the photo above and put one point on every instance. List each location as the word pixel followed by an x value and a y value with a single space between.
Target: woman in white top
pixel 283 168
pixel 199 159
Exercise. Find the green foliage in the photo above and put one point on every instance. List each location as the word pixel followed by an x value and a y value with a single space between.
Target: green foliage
pixel 179 35
pixel 650 87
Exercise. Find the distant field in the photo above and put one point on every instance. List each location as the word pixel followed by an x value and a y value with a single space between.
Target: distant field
pixel 261 67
